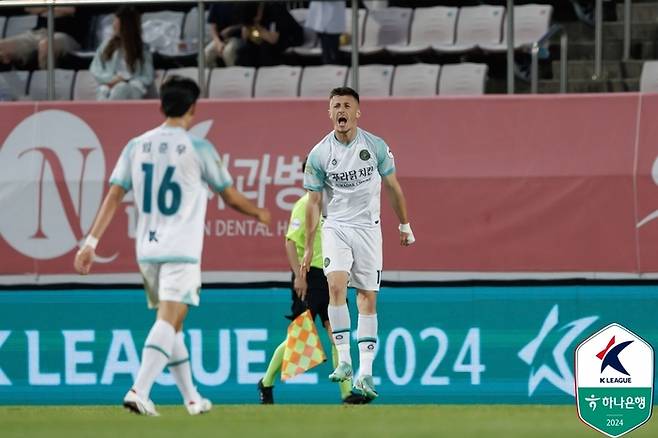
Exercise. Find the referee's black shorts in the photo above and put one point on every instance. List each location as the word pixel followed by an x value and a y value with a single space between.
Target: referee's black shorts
pixel 317 296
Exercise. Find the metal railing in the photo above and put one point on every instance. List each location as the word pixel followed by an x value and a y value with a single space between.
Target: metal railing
pixel 534 52
pixel 598 36
pixel 510 46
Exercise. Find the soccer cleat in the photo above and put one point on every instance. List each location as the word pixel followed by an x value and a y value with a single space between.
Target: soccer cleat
pixel 134 403
pixel 365 386
pixel 201 406
pixel 356 399
pixel 265 393
pixel 342 372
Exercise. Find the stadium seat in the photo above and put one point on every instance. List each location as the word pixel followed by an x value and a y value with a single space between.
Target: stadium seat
pixel 3 20
pixel 85 86
pixel 374 80
pixel 162 31
pixel 277 81
pixel 13 84
pixel 531 22
pixel 649 77
pixel 317 81
pixel 38 88
pixel 191 26
pixel 317 51
pixel 416 80
pixel 187 72
pixel 430 26
pixel 18 24
pixel 385 27
pixel 477 25
pixel 465 78
pixel 231 83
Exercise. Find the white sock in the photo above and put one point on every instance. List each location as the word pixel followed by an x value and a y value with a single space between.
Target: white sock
pixel 155 355
pixel 339 318
pixel 179 367
pixel 366 337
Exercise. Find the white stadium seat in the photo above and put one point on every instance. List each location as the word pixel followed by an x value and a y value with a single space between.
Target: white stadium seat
pixel 430 26
pixel 38 89
pixel 85 86
pixel 232 83
pixel 531 22
pixel 279 81
pixel 649 77
pixel 374 80
pixel 463 79
pixel 318 81
pixel 477 25
pixel 386 27
pixel 19 24
pixel 416 80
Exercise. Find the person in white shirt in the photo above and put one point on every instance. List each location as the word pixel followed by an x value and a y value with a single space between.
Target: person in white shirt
pixel 343 175
pixel 123 65
pixel 170 172
pixel 327 19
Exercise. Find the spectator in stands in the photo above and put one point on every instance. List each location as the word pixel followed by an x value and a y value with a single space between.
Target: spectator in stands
pixel 327 18
pixel 267 31
pixel 123 65
pixel 71 30
pixel 225 34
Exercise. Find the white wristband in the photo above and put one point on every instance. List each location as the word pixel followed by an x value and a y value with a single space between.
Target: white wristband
pixel 404 228
pixel 91 241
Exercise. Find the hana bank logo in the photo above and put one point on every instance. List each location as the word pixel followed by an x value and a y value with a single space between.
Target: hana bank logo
pixel 52 173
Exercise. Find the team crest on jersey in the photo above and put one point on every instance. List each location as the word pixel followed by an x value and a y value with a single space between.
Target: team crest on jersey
pixel 334 162
pixel 326 261
pixel 364 155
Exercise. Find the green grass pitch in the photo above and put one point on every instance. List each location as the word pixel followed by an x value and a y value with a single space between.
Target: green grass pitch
pixel 290 421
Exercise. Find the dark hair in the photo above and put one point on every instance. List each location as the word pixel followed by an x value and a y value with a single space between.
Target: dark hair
pixel 177 95
pixel 344 91
pixel 129 38
pixel 304 164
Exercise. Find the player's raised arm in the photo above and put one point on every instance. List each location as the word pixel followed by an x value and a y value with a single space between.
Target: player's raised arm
pixel 312 219
pixel 399 204
pixel 85 255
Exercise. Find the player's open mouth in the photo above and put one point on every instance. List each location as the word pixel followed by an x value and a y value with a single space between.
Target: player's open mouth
pixel 342 121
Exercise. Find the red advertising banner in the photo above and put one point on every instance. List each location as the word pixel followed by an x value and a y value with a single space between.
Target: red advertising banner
pixel 514 187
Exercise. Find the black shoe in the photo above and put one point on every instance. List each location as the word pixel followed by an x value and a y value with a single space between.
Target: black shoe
pixel 265 393
pixel 356 399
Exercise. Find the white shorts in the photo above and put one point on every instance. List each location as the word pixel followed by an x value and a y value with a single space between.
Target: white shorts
pixel 357 251
pixel 178 282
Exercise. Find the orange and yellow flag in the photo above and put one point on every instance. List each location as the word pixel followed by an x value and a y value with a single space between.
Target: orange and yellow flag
pixel 303 348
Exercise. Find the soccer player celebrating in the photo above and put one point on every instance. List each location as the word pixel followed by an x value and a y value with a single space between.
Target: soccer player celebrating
pixel 347 168
pixel 169 171
pixel 310 292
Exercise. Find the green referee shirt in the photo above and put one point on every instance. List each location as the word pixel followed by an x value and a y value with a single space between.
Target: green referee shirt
pixel 297 232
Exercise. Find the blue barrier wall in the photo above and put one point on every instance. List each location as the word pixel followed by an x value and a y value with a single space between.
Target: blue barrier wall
pixel 500 344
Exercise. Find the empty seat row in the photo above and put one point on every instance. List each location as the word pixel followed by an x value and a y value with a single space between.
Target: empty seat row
pixel 273 82
pixel 442 29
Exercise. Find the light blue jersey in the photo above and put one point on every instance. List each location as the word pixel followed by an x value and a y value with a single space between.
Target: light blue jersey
pixel 349 177
pixel 169 172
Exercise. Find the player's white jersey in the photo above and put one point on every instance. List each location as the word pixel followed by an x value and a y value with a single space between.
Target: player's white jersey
pixel 350 177
pixel 169 171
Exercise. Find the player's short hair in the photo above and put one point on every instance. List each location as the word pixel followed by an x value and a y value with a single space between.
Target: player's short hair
pixel 177 95
pixel 344 91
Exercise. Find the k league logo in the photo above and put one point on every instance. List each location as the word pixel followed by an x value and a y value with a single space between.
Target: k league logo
pixel 614 380
pixel 52 173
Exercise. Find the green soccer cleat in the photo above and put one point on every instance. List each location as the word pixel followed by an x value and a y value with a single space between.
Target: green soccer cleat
pixel 342 372
pixel 366 387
